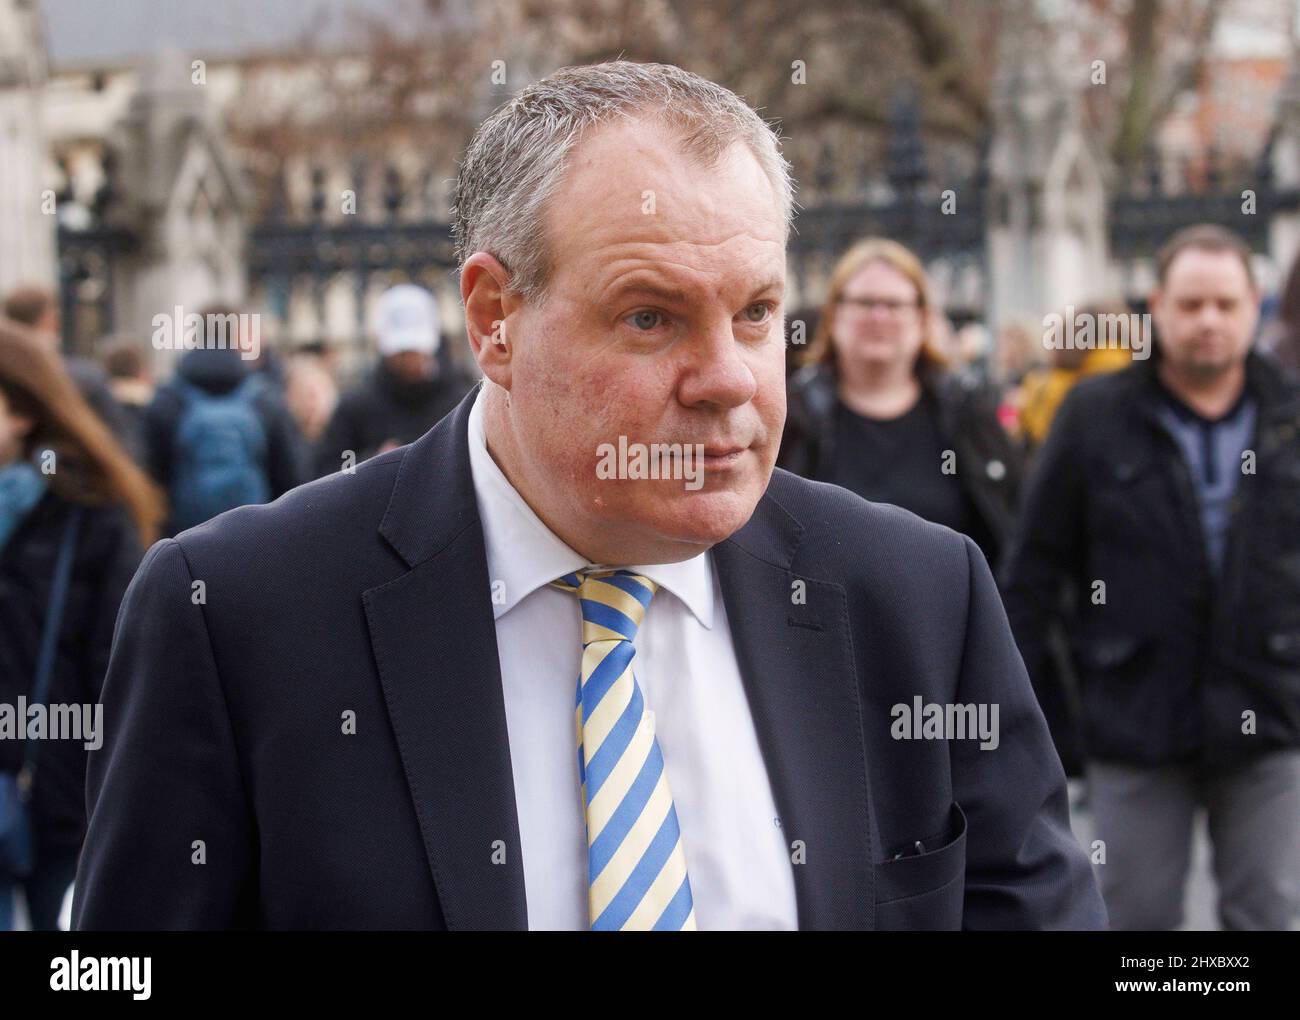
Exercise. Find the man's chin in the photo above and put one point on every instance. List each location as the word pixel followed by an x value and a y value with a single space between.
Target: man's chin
pixel 688 523
pixel 1210 366
pixel 709 517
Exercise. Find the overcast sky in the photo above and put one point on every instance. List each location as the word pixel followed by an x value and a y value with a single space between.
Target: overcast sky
pixel 91 32
pixel 98 32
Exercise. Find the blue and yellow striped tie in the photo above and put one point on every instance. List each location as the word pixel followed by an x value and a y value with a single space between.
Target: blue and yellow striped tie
pixel 636 868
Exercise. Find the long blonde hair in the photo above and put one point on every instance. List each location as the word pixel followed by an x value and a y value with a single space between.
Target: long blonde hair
pixel 821 351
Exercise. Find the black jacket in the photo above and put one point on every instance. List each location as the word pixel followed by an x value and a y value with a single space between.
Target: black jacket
pixel 988 463
pixel 383 407
pixel 220 371
pixel 107 554
pixel 1172 658
pixel 370 592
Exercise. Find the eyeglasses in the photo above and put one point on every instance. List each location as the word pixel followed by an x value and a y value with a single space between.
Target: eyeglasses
pixel 891 305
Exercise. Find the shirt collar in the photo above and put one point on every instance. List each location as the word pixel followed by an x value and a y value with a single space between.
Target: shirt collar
pixel 523 554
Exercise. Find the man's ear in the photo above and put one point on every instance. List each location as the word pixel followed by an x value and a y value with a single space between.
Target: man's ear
pixel 484 290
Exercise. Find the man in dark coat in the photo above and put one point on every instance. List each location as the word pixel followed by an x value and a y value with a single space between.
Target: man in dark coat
pixel 1167 500
pixel 514 681
pixel 406 392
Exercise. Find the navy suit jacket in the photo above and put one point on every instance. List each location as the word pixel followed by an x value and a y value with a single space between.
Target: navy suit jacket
pixel 228 794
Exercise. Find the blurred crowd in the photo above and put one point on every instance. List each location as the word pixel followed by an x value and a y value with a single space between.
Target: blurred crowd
pixel 1140 506
pixel 98 460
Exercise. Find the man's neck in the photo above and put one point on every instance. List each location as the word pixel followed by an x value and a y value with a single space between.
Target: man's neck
pixel 1209 396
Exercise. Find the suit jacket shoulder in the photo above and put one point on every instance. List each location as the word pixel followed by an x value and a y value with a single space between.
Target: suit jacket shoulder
pixel 881 554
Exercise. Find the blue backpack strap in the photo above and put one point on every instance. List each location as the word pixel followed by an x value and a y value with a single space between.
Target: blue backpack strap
pixel 54 615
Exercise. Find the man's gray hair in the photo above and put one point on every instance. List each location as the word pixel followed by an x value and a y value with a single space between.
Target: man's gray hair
pixel 516 160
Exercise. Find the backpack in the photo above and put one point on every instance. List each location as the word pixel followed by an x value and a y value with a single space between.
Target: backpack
pixel 218 455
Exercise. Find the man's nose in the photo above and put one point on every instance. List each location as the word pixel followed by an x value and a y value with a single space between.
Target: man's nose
pixel 1210 317
pixel 717 372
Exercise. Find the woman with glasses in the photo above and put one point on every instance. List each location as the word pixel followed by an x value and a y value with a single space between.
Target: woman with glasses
pixel 874 410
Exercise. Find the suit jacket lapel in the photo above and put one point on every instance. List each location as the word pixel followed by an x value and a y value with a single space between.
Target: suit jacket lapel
pixel 434 641
pixel 796 661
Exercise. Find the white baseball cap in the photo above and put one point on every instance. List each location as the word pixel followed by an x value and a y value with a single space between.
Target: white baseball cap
pixel 406 319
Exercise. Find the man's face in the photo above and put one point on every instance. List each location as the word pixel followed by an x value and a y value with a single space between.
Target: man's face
pixel 411 366
pixel 1205 312
pixel 662 324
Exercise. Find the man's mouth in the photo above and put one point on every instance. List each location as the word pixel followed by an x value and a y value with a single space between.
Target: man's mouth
pixel 722 456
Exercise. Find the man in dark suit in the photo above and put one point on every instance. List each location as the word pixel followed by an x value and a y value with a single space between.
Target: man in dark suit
pixel 377 702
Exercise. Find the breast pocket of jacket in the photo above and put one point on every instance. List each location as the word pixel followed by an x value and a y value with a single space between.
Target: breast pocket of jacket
pixel 924 891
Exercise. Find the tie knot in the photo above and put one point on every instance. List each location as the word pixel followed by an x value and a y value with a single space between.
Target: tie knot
pixel 613 602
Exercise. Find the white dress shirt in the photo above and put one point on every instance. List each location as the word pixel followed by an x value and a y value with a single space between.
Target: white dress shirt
pixel 736 856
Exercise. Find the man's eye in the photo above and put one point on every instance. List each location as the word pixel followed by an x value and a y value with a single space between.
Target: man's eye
pixel 763 310
pixel 646 319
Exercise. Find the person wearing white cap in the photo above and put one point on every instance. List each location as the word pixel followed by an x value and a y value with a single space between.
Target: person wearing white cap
pixel 405 395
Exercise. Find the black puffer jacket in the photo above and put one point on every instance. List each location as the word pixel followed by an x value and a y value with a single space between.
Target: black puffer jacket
pixel 382 408
pixel 107 554
pixel 1172 658
pixel 989 465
